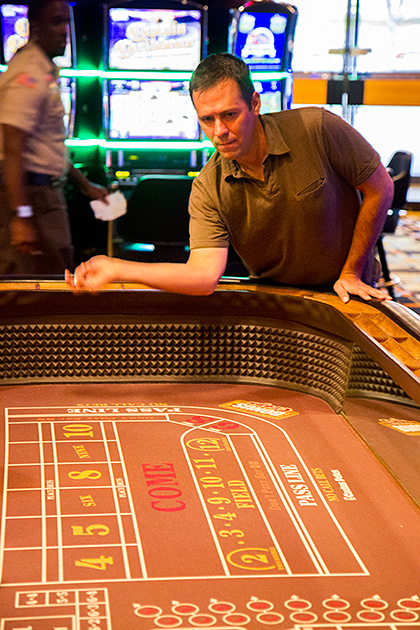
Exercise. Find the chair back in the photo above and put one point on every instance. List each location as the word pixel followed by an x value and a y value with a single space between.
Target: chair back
pixel 399 168
pixel 157 211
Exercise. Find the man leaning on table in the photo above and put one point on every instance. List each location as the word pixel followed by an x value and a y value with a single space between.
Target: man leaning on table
pixel 284 188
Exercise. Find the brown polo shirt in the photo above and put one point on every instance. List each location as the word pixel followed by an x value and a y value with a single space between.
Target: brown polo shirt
pixel 296 226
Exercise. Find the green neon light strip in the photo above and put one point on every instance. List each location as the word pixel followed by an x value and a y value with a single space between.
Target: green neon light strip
pixel 153 76
pixel 70 72
pixel 102 74
pixel 174 145
pixel 157 76
pixel 76 142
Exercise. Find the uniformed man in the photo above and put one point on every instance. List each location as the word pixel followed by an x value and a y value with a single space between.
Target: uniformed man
pixel 34 228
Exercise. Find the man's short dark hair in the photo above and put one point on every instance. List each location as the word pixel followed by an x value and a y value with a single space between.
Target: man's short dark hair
pixel 36 9
pixel 218 67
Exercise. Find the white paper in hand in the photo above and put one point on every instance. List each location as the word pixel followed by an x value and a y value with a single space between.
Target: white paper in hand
pixel 108 212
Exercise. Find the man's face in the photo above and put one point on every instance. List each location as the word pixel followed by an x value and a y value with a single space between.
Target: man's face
pixel 227 120
pixel 50 31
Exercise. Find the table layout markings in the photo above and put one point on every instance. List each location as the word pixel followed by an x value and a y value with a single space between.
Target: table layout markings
pixel 43 507
pixel 88 609
pixel 58 506
pixel 79 603
pixel 112 419
pixel 130 501
pixel 256 499
pixel 258 503
pixel 122 545
pixel 68 618
pixel 301 529
pixel 322 498
pixel 310 544
pixel 299 457
pixel 54 419
pixel 4 500
pixel 117 505
pixel 203 503
pixel 291 509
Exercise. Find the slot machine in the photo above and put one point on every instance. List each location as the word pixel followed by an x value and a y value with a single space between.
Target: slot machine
pixel 262 34
pixel 150 124
pixel 15 33
pixel 14 29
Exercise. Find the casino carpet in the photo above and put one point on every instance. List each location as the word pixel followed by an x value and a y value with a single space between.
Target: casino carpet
pixel 403 255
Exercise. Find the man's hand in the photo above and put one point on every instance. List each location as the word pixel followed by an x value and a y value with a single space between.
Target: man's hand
pixel 86 187
pixel 24 235
pixel 350 284
pixel 93 274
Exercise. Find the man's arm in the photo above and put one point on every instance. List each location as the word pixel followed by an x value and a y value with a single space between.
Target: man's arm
pixel 377 193
pixel 87 188
pixel 198 276
pixel 23 233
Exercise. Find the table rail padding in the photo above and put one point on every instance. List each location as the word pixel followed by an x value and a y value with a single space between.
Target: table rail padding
pixel 268 336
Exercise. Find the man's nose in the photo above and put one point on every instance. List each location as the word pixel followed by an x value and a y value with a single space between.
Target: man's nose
pixel 220 128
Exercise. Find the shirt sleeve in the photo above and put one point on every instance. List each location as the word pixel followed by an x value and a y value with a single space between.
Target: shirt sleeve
pixel 22 101
pixel 207 228
pixel 349 152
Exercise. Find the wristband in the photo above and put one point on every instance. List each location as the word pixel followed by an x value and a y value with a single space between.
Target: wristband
pixel 24 212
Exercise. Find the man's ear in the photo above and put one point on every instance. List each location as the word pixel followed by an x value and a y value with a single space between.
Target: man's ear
pixel 256 103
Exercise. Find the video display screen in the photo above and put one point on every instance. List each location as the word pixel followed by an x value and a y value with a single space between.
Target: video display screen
pixel 270 93
pixel 260 39
pixel 14 27
pixel 15 33
pixel 154 39
pixel 150 109
pixel 67 94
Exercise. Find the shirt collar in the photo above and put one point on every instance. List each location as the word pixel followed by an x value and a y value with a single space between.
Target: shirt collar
pixel 276 145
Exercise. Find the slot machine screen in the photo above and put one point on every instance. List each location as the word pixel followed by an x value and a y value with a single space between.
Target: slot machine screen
pixel 150 109
pixel 260 39
pixel 271 95
pixel 68 95
pixel 14 28
pixel 154 39
pixel 15 33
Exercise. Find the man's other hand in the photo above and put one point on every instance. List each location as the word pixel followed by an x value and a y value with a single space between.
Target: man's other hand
pixel 95 191
pixel 349 284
